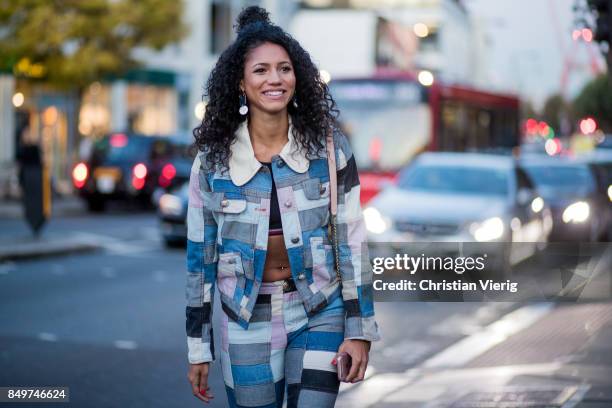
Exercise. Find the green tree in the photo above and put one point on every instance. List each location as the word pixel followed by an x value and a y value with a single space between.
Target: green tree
pixel 595 100
pixel 71 43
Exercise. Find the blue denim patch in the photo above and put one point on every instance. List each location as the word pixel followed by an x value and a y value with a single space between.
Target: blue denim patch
pixel 195 256
pixel 252 374
pixel 325 341
pixel 366 304
pixel 319 168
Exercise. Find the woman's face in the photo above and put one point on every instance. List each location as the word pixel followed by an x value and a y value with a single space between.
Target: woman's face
pixel 269 79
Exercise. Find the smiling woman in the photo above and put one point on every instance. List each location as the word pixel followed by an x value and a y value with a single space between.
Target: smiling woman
pixel 259 210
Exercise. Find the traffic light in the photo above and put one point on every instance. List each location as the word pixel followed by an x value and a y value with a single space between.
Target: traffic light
pixel 603 32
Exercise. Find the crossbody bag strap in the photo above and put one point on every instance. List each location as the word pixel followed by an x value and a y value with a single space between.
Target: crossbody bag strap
pixel 333 198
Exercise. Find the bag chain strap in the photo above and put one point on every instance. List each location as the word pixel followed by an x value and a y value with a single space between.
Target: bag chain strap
pixel 333 191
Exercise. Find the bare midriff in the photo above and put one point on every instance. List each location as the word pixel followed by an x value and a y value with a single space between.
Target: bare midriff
pixel 276 266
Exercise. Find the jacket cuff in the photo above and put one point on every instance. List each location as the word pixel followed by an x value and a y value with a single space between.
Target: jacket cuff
pixel 198 352
pixel 361 328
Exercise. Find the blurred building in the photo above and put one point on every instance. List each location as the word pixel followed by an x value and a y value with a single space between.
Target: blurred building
pixel 162 98
pixel 357 37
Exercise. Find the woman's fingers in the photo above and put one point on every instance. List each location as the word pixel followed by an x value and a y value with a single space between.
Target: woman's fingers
pixel 206 396
pixel 362 370
pixel 355 364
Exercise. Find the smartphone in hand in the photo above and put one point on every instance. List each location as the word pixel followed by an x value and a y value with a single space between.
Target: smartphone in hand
pixel 344 366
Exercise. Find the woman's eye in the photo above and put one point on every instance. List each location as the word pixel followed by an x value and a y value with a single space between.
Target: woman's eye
pixel 286 69
pixel 259 70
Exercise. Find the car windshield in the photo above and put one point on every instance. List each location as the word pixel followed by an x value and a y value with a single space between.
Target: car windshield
pixel 567 178
pixel 119 148
pixel 455 179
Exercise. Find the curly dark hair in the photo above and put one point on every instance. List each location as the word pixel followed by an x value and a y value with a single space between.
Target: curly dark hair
pixel 312 118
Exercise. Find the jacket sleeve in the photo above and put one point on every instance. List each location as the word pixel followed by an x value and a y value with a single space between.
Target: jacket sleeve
pixel 355 267
pixel 201 267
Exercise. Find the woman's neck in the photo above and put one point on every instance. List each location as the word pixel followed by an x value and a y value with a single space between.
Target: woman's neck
pixel 269 132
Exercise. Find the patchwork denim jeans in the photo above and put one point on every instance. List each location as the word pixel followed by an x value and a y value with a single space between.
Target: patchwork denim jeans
pixel 282 349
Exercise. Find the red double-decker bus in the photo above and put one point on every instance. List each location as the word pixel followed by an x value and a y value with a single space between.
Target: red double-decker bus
pixel 391 117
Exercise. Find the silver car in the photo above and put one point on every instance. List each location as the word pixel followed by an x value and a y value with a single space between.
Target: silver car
pixel 461 197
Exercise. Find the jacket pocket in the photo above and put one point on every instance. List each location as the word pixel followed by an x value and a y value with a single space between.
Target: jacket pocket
pixel 314 206
pixel 315 189
pixel 230 273
pixel 322 262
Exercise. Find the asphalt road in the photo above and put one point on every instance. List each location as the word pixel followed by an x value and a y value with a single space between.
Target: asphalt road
pixel 110 324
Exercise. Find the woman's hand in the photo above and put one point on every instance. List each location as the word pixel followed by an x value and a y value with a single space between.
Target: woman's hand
pixel 358 350
pixel 198 378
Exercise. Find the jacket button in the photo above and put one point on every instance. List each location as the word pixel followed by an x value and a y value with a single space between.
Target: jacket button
pixel 287 204
pixel 280 163
pixel 322 189
pixel 301 276
pixel 225 203
pixel 295 240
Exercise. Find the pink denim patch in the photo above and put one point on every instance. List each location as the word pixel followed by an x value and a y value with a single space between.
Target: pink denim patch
pixel 195 198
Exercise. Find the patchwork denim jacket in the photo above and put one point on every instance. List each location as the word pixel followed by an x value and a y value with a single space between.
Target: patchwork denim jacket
pixel 227 224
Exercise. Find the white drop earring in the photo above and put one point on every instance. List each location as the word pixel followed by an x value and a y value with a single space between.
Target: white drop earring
pixel 244 109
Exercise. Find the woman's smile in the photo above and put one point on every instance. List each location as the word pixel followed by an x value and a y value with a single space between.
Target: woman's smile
pixel 276 95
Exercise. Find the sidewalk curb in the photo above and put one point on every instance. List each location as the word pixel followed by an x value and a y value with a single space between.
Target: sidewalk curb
pixel 28 251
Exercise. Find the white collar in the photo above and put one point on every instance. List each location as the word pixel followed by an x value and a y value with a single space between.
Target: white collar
pixel 243 164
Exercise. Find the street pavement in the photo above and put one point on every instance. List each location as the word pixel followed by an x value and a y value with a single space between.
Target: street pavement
pixel 109 324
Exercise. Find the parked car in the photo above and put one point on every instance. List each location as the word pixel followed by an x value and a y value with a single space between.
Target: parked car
pixel 126 167
pixel 172 213
pixel 570 188
pixel 461 197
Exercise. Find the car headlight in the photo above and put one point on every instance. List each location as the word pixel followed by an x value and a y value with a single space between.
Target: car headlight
pixel 170 205
pixel 488 230
pixel 610 192
pixel 577 212
pixel 537 205
pixel 374 221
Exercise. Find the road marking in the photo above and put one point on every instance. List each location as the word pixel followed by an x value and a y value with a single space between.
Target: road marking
pixel 125 344
pixel 47 337
pixel 117 246
pixel 469 347
pixel 469 324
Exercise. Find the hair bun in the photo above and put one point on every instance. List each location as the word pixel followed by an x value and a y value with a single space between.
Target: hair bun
pixel 250 15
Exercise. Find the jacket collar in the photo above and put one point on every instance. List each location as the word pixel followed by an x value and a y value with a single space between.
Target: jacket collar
pixel 243 165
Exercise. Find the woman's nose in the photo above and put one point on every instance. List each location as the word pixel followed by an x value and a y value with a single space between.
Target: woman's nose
pixel 274 77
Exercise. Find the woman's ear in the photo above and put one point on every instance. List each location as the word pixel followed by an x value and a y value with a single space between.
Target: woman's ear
pixel 241 85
